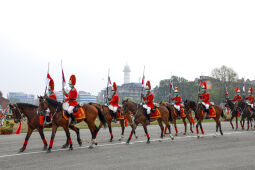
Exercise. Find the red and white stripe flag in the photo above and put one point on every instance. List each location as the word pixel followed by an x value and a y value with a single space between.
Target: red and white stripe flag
pixel 63 78
pixel 143 79
pixel 109 80
pixel 48 78
pixel 171 84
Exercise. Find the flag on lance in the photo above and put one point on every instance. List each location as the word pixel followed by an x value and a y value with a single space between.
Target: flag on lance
pixel 63 78
pixel 109 80
pixel 48 78
pixel 171 84
pixel 243 86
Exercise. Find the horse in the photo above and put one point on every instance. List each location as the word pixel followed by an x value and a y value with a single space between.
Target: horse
pixel 173 114
pixel 108 116
pixel 58 119
pixel 199 114
pixel 243 108
pixel 140 117
pixel 30 111
pixel 234 112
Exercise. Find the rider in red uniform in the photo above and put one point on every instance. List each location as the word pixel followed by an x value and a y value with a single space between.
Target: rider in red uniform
pixel 250 98
pixel 178 100
pixel 205 97
pixel 149 100
pixel 51 90
pixel 114 103
pixel 71 98
pixel 237 96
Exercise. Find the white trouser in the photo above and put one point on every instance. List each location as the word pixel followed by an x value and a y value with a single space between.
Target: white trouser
pixel 147 108
pixel 112 108
pixel 250 105
pixel 70 109
pixel 206 105
pixel 177 107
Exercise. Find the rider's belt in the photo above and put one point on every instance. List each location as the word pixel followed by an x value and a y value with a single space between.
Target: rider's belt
pixel 72 99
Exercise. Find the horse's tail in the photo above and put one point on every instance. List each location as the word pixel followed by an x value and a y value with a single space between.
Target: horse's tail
pixel 170 116
pixel 101 116
pixel 222 115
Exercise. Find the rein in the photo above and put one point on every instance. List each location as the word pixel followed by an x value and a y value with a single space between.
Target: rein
pixel 21 114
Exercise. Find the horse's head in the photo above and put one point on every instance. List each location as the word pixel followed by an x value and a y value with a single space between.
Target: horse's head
pixel 43 104
pixel 239 105
pixel 16 113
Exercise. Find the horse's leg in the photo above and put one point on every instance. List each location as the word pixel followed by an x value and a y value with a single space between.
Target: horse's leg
pixel 236 121
pixel 231 121
pixel 175 127
pixel 129 119
pixel 99 127
pixel 161 128
pixel 29 132
pixel 66 129
pixel 53 133
pixel 168 127
pixel 248 122
pixel 132 132
pixel 146 131
pixel 77 131
pixel 110 131
pixel 190 122
pixel 122 123
pixel 40 130
pixel 197 127
pixel 220 128
pixel 185 126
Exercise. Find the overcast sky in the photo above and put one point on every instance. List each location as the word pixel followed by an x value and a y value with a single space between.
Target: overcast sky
pixel 185 38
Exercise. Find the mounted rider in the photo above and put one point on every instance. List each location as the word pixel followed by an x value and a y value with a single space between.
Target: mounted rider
pixel 71 99
pixel 238 96
pixel 250 98
pixel 149 100
pixel 46 115
pixel 205 97
pixel 178 105
pixel 114 102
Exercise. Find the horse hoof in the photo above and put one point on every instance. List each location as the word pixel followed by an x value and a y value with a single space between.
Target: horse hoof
pixel 127 141
pixel 22 149
pixel 91 147
pixel 80 143
pixel 44 148
pixel 171 137
pixel 65 146
pixel 110 140
pixel 71 148
pixel 198 137
pixel 49 151
pixel 176 134
pixel 148 142
pixel 184 134
pixel 136 137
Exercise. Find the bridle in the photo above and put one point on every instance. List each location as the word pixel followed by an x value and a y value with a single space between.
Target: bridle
pixel 53 115
pixel 17 108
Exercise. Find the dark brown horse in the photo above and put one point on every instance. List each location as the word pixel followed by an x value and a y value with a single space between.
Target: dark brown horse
pixel 140 117
pixel 31 113
pixel 58 119
pixel 198 109
pixel 187 115
pixel 107 114
pixel 234 112
pixel 246 112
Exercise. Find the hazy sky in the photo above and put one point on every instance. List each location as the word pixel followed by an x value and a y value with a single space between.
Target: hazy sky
pixel 183 37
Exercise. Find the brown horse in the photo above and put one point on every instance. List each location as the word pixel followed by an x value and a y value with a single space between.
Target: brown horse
pixel 246 112
pixel 199 114
pixel 107 114
pixel 30 111
pixel 140 117
pixel 174 117
pixel 59 120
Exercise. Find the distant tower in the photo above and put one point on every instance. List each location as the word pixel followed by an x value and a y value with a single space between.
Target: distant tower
pixel 126 74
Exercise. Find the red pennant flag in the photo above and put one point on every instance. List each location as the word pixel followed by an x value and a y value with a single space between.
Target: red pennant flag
pixel 227 93
pixel 201 83
pixel 63 78
pixel 19 129
pixel 143 79
pixel 109 79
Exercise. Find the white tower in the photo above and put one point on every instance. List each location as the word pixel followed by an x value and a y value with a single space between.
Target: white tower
pixel 126 74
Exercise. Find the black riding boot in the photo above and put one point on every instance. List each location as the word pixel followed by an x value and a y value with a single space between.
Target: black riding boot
pixel 148 121
pixel 73 120
pixel 178 114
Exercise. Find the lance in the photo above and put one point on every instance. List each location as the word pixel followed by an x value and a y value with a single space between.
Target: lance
pixel 142 85
pixel 199 89
pixel 63 80
pixel 107 87
pixel 47 80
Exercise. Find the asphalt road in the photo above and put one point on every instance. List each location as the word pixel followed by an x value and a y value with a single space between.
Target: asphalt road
pixel 234 150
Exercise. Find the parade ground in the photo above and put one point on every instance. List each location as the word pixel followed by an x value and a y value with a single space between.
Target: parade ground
pixel 234 150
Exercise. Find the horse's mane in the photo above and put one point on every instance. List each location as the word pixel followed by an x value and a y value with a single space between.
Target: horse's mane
pixel 27 105
pixel 53 102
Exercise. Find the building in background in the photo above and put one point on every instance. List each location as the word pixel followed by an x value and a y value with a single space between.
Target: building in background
pixel 128 90
pixel 126 71
pixel 86 97
pixel 20 97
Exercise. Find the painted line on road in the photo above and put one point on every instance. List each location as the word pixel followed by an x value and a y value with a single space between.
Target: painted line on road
pixel 124 143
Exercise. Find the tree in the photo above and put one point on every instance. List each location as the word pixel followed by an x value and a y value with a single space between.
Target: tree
pixel 225 74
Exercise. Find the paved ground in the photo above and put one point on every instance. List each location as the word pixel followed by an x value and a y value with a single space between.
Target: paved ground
pixel 234 150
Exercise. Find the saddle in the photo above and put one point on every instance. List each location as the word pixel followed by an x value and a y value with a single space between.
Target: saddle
pixel 75 110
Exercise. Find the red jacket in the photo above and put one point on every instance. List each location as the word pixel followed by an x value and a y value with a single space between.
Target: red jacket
pixel 250 98
pixel 115 100
pixel 53 96
pixel 177 99
pixel 71 97
pixel 149 99
pixel 237 98
pixel 205 97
